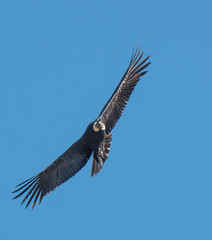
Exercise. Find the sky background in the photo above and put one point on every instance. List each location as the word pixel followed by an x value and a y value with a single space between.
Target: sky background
pixel 60 61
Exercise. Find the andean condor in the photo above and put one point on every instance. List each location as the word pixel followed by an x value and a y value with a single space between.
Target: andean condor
pixel 96 139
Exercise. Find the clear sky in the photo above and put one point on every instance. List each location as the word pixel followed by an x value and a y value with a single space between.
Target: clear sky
pixel 60 61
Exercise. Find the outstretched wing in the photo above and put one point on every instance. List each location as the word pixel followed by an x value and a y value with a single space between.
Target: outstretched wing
pixel 63 168
pixel 113 109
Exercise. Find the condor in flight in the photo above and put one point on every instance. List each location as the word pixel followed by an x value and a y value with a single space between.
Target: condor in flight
pixel 96 139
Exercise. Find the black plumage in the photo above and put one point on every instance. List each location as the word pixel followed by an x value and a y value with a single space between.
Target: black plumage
pixel 96 139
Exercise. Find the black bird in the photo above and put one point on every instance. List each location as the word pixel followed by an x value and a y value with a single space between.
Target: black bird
pixel 96 139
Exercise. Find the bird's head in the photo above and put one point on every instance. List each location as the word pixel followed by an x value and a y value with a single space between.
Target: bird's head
pixel 98 125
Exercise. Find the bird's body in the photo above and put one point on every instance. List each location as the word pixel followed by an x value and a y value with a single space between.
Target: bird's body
pixel 96 139
pixel 93 138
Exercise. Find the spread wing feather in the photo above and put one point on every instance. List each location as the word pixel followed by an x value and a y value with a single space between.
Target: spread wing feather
pixel 63 168
pixel 113 109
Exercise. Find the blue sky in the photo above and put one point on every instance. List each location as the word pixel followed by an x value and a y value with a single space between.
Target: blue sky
pixel 60 61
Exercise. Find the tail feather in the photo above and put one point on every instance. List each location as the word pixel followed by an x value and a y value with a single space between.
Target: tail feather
pixel 100 157
pixel 96 165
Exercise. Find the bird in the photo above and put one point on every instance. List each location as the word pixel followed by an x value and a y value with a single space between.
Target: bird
pixel 96 139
